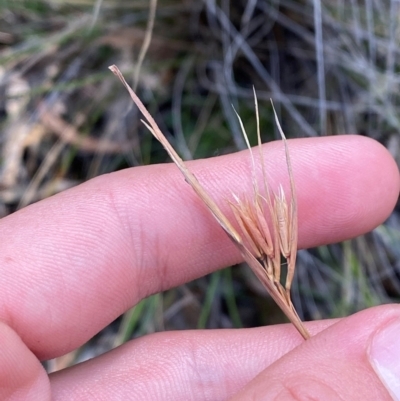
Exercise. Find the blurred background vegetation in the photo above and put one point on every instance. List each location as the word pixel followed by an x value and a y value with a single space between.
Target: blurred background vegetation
pixel 332 67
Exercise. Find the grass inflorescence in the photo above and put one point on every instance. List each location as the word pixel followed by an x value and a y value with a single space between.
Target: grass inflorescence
pixel 260 247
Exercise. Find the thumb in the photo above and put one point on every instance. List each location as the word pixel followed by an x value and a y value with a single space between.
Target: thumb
pixel 22 377
pixel 357 358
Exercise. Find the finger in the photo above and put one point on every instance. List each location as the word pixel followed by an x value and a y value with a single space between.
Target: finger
pixel 76 261
pixel 182 365
pixel 22 377
pixel 337 364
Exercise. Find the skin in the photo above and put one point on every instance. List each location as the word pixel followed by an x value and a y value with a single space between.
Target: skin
pixel 74 262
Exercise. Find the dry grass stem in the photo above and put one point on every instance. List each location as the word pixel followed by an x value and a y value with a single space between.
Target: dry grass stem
pixel 146 42
pixel 260 246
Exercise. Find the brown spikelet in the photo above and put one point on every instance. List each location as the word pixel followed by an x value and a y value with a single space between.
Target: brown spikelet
pixel 260 246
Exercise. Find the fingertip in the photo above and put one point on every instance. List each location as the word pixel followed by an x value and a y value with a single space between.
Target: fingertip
pixel 349 185
pixel 378 174
pixel 332 365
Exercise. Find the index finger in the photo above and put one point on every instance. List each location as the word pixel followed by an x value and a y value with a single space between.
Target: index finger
pixel 74 262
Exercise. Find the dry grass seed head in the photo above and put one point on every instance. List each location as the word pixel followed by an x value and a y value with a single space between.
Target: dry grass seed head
pixel 259 248
pixel 250 216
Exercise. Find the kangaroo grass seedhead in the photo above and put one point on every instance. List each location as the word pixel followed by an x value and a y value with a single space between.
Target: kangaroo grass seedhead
pixel 260 245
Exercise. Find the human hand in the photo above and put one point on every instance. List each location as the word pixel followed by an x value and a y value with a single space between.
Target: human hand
pixel 74 262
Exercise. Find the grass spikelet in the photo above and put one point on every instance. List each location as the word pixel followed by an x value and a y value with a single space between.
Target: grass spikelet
pixel 260 246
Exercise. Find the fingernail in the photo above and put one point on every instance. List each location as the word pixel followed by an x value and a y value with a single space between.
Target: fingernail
pixel 384 355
